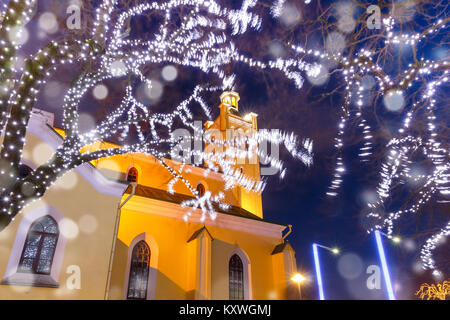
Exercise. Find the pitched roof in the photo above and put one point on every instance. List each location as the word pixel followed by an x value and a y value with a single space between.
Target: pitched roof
pixel 280 248
pixel 159 194
pixel 199 232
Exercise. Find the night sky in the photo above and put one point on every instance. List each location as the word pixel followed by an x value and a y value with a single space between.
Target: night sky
pixel 300 198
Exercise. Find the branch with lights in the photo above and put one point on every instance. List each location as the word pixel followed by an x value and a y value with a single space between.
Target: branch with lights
pixel 438 291
pixel 202 41
pixel 365 63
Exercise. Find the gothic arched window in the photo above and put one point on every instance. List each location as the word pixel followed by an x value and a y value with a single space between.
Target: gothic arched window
pixel 40 245
pixel 132 175
pixel 139 269
pixel 236 280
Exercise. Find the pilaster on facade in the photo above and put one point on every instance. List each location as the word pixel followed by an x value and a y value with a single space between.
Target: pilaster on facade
pixel 199 266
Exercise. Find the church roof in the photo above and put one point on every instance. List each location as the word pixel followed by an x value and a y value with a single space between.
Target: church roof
pixel 280 248
pixel 159 194
pixel 199 232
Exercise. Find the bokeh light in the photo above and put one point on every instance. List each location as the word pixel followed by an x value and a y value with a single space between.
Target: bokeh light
pixel 48 23
pixel 68 181
pixel 350 266
pixel 319 78
pixel 18 35
pixel 42 153
pixel 88 224
pixel 394 101
pixel 118 68
pixel 86 122
pixel 100 92
pixel 68 228
pixel 169 73
pixel 289 15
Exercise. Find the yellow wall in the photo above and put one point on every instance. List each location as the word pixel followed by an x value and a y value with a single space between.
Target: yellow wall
pixel 152 174
pixel 174 277
pixel 76 199
pixel 90 248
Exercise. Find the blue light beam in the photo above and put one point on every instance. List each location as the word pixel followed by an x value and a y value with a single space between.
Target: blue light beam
pixel 387 278
pixel 318 274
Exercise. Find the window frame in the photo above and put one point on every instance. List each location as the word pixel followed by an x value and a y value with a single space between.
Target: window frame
pixel 152 275
pixel 239 269
pixel 135 247
pixel 11 275
pixel 40 247
pixel 136 176
pixel 247 272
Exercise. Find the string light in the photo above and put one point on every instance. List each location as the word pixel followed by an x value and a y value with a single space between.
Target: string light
pixel 438 291
pixel 396 166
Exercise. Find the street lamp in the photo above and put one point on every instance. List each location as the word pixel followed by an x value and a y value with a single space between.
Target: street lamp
pixel 396 239
pixel 317 266
pixel 298 278
pixel 387 277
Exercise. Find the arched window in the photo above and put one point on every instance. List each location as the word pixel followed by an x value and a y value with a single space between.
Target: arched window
pixel 139 269
pixel 236 280
pixel 132 175
pixel 201 190
pixel 39 248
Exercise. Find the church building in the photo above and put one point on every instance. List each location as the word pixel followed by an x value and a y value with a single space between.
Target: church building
pixel 110 230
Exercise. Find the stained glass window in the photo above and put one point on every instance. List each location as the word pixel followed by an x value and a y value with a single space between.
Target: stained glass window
pixel 236 280
pixel 40 245
pixel 139 269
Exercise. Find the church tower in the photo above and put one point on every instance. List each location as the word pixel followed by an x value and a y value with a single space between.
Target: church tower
pixel 232 125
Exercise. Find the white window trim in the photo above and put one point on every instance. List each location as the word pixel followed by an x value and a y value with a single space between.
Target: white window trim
pixel 153 270
pixel 12 277
pixel 248 294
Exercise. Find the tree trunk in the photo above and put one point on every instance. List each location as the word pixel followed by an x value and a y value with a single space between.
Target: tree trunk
pixel 30 188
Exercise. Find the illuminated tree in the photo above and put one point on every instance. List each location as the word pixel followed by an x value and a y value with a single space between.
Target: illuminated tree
pixel 438 291
pixel 201 40
pixel 392 82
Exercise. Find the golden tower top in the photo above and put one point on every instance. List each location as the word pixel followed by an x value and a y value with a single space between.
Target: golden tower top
pixel 230 98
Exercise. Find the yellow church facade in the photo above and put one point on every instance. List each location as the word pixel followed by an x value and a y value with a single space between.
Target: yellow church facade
pixel 110 230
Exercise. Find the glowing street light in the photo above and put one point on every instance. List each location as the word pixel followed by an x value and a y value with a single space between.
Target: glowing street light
pixel 396 239
pixel 298 278
pixel 387 277
pixel 317 266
